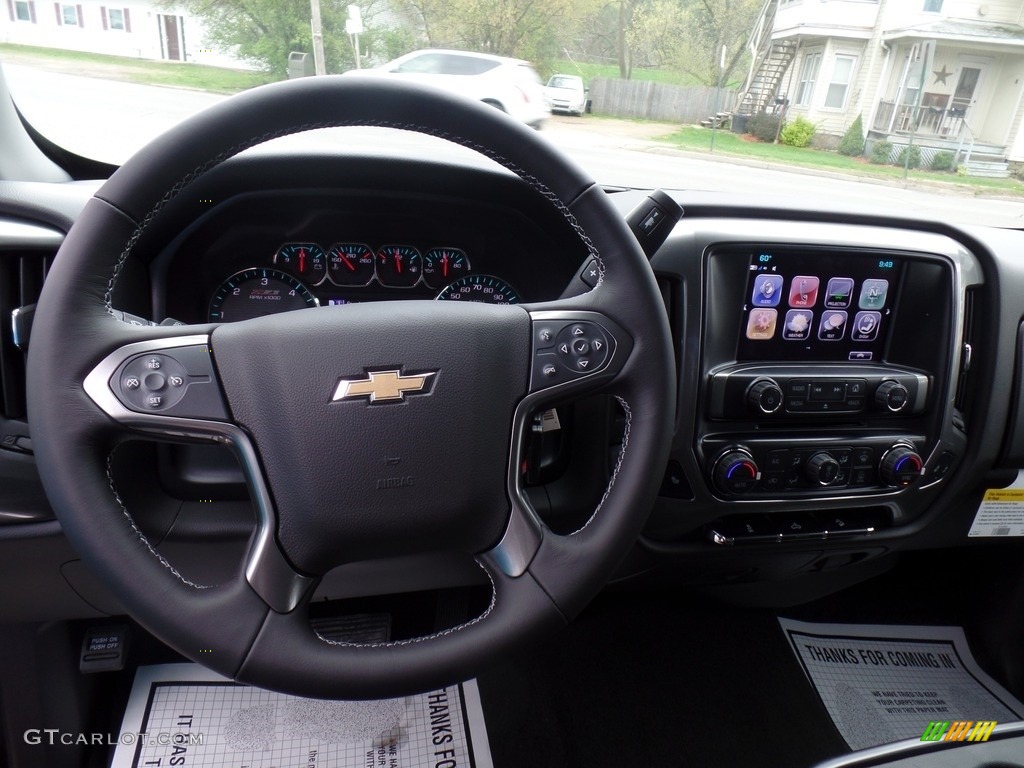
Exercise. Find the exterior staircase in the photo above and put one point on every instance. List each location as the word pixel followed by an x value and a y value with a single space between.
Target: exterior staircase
pixel 989 166
pixel 770 59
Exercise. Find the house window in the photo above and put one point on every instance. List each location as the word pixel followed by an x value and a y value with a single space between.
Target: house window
pixel 932 6
pixel 24 11
pixel 116 16
pixel 808 74
pixel 842 73
pixel 68 15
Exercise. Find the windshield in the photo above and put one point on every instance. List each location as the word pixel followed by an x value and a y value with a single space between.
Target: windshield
pixel 869 111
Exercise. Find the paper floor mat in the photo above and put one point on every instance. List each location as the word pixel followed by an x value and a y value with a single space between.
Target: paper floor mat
pixel 883 683
pixel 184 715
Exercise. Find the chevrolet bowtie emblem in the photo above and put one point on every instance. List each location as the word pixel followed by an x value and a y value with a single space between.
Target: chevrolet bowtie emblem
pixel 384 386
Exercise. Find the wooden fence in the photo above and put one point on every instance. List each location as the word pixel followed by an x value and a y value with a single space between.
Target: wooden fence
pixel 657 101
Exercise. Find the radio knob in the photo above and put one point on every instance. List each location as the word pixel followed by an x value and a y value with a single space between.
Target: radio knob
pixel 900 467
pixel 735 472
pixel 822 469
pixel 764 396
pixel 892 396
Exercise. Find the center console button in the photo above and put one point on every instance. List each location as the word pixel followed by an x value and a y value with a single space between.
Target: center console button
pixel 822 469
pixel 828 391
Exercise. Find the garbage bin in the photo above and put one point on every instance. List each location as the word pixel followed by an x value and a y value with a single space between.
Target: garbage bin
pixel 300 65
pixel 739 123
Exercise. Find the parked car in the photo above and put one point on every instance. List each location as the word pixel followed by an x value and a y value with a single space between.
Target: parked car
pixel 511 85
pixel 566 93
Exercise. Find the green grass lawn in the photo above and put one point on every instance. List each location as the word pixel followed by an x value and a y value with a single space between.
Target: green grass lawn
pixel 726 142
pixel 177 74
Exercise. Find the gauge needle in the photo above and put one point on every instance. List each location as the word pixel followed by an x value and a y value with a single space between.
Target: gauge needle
pixel 398 261
pixel 302 259
pixel 444 265
pixel 348 263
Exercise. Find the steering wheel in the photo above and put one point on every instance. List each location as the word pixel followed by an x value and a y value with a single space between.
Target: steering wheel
pixel 387 387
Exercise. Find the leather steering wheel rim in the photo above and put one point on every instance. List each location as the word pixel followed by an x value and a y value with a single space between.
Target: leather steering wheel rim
pixel 540 579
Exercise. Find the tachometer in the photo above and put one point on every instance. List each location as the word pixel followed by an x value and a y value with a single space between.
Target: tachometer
pixel 256 292
pixel 483 288
pixel 443 265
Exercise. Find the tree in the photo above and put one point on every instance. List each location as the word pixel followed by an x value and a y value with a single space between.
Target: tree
pixel 264 32
pixel 853 140
pixel 689 34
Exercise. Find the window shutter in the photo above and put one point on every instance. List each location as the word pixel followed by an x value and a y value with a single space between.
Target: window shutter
pixel 60 21
pixel 32 11
pixel 81 16
pixel 127 21
pixel 103 16
pixel 10 9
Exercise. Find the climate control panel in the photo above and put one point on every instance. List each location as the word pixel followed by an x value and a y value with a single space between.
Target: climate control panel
pixel 801 468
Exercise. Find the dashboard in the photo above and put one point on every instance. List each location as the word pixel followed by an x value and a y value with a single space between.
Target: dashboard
pixel 847 381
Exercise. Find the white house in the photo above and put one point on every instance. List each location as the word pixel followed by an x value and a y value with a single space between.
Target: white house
pixel 949 71
pixel 118 27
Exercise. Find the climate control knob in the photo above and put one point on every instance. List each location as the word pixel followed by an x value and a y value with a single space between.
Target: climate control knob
pixel 901 466
pixel 735 472
pixel 892 396
pixel 764 396
pixel 822 469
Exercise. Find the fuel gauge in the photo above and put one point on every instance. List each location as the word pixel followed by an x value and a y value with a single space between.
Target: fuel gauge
pixel 444 265
pixel 350 264
pixel 305 260
pixel 399 266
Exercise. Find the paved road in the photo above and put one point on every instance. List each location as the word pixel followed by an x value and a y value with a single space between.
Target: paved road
pixel 65 106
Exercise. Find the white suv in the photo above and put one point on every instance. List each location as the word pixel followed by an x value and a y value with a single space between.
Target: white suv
pixel 511 85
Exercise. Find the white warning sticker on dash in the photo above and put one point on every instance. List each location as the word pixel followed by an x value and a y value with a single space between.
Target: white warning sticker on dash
pixel 1001 512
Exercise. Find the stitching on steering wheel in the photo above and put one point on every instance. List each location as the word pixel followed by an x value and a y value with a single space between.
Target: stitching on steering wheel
pixel 618 464
pixel 435 635
pixel 195 173
pixel 141 535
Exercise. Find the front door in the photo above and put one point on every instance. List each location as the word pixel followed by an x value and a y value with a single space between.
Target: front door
pixel 171 35
pixel 967 87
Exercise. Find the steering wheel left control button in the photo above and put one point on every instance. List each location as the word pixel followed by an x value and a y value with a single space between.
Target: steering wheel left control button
pixel 173 382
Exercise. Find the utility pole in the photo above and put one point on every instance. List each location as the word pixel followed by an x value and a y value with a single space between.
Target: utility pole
pixel 318 38
pixel 718 99
pixel 927 54
pixel 354 27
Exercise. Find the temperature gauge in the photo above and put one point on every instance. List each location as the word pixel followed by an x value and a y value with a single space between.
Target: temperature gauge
pixel 307 260
pixel 399 266
pixel 350 264
pixel 443 265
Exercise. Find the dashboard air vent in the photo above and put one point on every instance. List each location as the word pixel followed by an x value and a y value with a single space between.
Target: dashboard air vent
pixel 21 280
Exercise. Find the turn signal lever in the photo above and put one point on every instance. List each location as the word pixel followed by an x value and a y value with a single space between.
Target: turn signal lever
pixel 653 219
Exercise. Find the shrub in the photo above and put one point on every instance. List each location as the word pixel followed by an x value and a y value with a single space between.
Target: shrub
pixel 797 133
pixel 915 157
pixel 852 144
pixel 880 152
pixel 763 126
pixel 942 160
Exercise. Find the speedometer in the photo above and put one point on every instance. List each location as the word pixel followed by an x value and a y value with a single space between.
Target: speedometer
pixel 483 288
pixel 256 292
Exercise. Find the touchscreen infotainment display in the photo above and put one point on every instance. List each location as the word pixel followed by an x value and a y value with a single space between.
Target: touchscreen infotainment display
pixel 818 305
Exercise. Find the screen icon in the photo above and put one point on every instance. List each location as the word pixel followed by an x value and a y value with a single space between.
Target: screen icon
pixel 798 325
pixel 803 291
pixel 761 324
pixel 767 291
pixel 873 294
pixel 833 326
pixel 839 292
pixel 865 326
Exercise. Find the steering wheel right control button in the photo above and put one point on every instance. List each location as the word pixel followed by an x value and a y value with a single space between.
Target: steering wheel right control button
pixel 901 466
pixel 172 382
pixel 576 349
